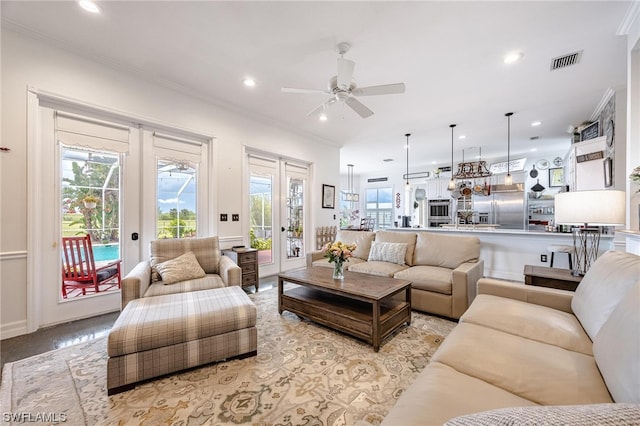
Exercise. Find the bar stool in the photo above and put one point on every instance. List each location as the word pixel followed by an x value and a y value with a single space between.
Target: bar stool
pixel 557 248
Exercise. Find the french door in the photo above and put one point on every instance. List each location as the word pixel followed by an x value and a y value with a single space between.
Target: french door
pixel 146 185
pixel 278 212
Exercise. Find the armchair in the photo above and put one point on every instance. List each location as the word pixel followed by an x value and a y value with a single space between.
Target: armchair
pixel 144 280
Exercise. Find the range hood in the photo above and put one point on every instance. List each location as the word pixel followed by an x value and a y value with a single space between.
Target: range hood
pixel 516 187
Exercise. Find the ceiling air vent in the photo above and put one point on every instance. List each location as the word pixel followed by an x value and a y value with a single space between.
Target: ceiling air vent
pixel 566 60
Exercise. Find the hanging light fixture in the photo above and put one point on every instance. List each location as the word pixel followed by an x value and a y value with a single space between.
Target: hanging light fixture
pixel 350 195
pixel 452 181
pixel 472 169
pixel 407 135
pixel 508 180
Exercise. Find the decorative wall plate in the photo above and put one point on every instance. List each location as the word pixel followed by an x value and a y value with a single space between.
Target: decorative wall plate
pixel 543 164
pixel 557 161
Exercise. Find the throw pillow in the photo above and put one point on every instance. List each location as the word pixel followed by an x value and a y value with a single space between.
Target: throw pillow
pixel 388 252
pixel 553 415
pixel 182 268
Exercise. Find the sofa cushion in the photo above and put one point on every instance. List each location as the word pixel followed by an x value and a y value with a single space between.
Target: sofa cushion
pixel 542 373
pixel 617 349
pixel 184 267
pixel 205 283
pixel 384 269
pixel 575 415
pixel 440 393
pixel 399 237
pixel 429 278
pixel 206 250
pixel 362 240
pixel 448 251
pixel 530 321
pixel 388 252
pixel 603 287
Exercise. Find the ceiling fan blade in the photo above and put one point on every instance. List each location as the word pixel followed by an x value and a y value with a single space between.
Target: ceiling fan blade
pixel 322 107
pixel 359 107
pixel 385 89
pixel 345 73
pixel 304 91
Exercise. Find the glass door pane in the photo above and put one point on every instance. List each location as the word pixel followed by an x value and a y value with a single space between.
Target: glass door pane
pixel 261 216
pixel 176 199
pixel 91 201
pixel 295 218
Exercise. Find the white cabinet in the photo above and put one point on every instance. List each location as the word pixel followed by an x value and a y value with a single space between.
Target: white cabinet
pixel 437 188
pixel 588 165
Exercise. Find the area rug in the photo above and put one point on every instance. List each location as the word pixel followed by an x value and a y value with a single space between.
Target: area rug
pixel 304 374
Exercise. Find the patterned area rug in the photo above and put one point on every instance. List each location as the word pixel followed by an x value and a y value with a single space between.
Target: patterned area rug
pixel 304 374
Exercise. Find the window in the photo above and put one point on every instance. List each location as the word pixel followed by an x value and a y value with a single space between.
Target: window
pixel 380 206
pixel 176 200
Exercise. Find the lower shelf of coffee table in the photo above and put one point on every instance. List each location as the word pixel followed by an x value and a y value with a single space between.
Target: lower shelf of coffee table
pixel 350 316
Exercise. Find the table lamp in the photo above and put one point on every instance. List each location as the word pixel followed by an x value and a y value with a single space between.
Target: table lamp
pixel 588 211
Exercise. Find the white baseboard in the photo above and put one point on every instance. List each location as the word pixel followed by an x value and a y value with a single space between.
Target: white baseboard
pixel 13 329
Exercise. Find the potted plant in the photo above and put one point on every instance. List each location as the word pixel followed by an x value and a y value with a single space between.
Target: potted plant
pixel 90 201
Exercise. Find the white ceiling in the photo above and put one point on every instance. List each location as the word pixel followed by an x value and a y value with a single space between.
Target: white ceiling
pixel 449 55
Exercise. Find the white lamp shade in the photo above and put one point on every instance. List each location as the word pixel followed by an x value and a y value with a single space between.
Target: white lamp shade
pixel 598 208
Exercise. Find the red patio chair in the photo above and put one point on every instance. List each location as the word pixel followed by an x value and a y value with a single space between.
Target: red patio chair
pixel 79 268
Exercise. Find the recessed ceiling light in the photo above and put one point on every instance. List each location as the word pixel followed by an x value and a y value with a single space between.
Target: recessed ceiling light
pixel 249 82
pixel 433 162
pixel 89 6
pixel 533 149
pixel 462 137
pixel 388 160
pixel 323 117
pixel 513 57
pixel 536 123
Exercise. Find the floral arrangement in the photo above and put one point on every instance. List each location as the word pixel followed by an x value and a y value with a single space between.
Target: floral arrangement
pixel 635 176
pixel 338 251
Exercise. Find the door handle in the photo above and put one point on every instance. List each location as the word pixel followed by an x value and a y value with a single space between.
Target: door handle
pixel 283 229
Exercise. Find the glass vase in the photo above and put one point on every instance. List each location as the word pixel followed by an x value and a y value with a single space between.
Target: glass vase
pixel 338 272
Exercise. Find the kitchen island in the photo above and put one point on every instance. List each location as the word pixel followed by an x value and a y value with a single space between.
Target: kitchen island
pixel 506 251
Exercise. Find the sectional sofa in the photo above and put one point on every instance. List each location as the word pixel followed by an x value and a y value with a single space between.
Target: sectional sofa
pixel 443 269
pixel 533 355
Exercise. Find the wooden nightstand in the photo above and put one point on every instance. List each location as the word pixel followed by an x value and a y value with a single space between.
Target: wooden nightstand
pixel 550 277
pixel 247 259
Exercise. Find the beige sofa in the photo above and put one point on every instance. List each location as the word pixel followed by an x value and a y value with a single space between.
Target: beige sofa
pixel 144 281
pixel 519 347
pixel 443 268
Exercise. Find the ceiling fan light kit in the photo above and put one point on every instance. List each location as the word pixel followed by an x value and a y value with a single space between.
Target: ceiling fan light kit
pixel 343 88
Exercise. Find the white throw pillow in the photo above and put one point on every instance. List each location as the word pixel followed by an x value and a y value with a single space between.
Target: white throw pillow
pixel 388 252
pixel 182 268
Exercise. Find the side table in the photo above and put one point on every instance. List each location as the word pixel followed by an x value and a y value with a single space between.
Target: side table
pixel 247 260
pixel 543 276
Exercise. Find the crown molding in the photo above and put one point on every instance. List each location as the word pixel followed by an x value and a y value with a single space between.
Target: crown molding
pixel 633 13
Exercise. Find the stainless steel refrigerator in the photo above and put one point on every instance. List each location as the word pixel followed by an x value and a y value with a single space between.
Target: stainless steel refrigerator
pixel 504 207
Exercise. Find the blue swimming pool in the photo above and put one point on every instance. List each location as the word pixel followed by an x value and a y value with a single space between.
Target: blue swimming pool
pixel 106 252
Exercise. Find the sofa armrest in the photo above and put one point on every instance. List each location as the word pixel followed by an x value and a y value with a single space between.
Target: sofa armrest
pixel 463 286
pixel 549 297
pixel 230 273
pixel 313 256
pixel 135 283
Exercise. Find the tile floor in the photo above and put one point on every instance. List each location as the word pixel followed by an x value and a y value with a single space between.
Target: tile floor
pixel 62 335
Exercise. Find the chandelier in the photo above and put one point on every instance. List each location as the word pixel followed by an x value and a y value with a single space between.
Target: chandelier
pixel 472 169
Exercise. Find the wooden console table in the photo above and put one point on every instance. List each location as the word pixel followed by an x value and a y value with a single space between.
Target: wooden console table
pixel 543 276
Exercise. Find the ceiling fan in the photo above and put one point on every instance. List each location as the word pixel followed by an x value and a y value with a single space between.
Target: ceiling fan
pixel 343 88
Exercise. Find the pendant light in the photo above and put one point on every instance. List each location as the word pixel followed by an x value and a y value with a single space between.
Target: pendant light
pixel 508 180
pixel 407 135
pixel 452 182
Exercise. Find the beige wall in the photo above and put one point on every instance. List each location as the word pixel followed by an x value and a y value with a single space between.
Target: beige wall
pixel 29 62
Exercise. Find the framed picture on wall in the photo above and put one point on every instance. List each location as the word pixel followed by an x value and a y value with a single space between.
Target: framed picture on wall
pixel 328 196
pixel 556 177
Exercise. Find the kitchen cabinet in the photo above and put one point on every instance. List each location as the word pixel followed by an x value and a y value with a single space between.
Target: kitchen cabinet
pixel 437 188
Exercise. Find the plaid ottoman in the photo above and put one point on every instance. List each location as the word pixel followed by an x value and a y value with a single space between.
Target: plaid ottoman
pixel 158 335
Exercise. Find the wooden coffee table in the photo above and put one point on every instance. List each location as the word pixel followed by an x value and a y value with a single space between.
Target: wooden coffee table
pixel 360 305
